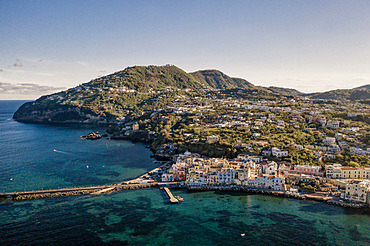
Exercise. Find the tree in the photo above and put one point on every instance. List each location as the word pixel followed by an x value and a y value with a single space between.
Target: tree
pixel 353 164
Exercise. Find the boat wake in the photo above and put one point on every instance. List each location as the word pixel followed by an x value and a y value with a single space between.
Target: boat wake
pixel 62 152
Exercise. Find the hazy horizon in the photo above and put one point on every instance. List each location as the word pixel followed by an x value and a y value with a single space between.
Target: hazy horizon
pixel 27 88
pixel 311 46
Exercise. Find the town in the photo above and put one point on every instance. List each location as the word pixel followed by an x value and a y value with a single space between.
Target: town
pixel 268 138
pixel 337 183
pixel 290 145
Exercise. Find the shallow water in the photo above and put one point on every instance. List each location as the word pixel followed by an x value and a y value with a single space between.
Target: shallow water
pixel 138 217
pixel 37 156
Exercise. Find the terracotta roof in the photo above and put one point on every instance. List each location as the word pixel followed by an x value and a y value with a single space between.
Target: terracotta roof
pixel 349 168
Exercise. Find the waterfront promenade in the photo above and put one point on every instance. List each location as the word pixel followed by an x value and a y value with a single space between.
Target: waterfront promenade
pixel 139 184
pixel 145 182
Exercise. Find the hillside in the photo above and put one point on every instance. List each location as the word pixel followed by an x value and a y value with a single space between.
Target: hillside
pixel 218 80
pixel 359 93
pixel 285 91
pixel 131 92
pixel 367 87
pixel 136 92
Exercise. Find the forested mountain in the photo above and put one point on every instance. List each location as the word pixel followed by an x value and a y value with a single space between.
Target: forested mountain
pixel 218 80
pixel 139 91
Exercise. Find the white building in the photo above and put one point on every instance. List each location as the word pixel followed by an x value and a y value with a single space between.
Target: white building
pixel 225 176
pixel 167 177
pixel 278 153
pixel 332 123
pixel 357 151
pixel 333 171
pixel 242 176
pixel 212 139
pixel 267 182
pixel 358 191
pixel 329 141
pixel 280 122
pixel 334 148
pixel 269 168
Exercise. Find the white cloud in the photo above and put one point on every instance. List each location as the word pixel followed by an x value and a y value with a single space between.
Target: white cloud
pixel 27 88
pixel 361 78
pixel 290 79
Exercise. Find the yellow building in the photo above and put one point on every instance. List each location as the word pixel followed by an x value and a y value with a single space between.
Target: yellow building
pixel 353 173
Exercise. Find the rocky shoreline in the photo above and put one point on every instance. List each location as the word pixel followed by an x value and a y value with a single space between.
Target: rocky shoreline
pixel 166 156
pixel 92 136
pixel 278 193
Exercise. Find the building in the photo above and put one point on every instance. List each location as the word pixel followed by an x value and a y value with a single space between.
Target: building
pixel 278 153
pixel 357 151
pixel 328 141
pixel 367 168
pixel 334 148
pixel 269 168
pixel 225 176
pixel 280 122
pixel 242 176
pixel 212 139
pixel 353 173
pixel 332 123
pixel 358 191
pixel 268 182
pixel 167 177
pixel 333 171
pixel 308 170
pixel 322 121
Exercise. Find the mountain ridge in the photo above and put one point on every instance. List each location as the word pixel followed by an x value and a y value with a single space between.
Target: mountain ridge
pixel 139 90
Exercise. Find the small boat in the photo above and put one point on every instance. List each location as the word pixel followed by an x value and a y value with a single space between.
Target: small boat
pixel 179 198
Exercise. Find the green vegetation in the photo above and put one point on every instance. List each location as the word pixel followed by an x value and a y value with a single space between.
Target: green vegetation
pixel 178 111
pixel 217 80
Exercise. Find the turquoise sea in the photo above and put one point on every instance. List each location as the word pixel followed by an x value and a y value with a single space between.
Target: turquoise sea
pixel 36 156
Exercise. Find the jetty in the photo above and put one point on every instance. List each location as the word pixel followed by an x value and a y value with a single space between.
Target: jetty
pixel 93 190
pixel 172 198
pixel 103 191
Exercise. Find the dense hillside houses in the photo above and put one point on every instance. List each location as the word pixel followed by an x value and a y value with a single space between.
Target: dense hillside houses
pixel 190 169
pixel 242 171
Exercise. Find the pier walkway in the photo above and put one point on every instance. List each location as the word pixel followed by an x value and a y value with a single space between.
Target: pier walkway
pixel 172 198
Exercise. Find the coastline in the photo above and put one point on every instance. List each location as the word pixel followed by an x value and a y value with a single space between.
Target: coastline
pixel 134 184
pixel 278 193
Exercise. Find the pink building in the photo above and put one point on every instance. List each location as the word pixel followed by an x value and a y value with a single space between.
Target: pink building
pixel 308 170
pixel 179 175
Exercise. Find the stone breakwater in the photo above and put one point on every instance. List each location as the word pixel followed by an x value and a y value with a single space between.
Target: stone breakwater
pixel 28 195
pixel 278 193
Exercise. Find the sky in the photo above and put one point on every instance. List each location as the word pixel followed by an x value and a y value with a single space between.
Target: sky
pixel 48 46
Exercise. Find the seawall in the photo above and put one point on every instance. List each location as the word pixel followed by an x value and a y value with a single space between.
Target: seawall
pixel 28 195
